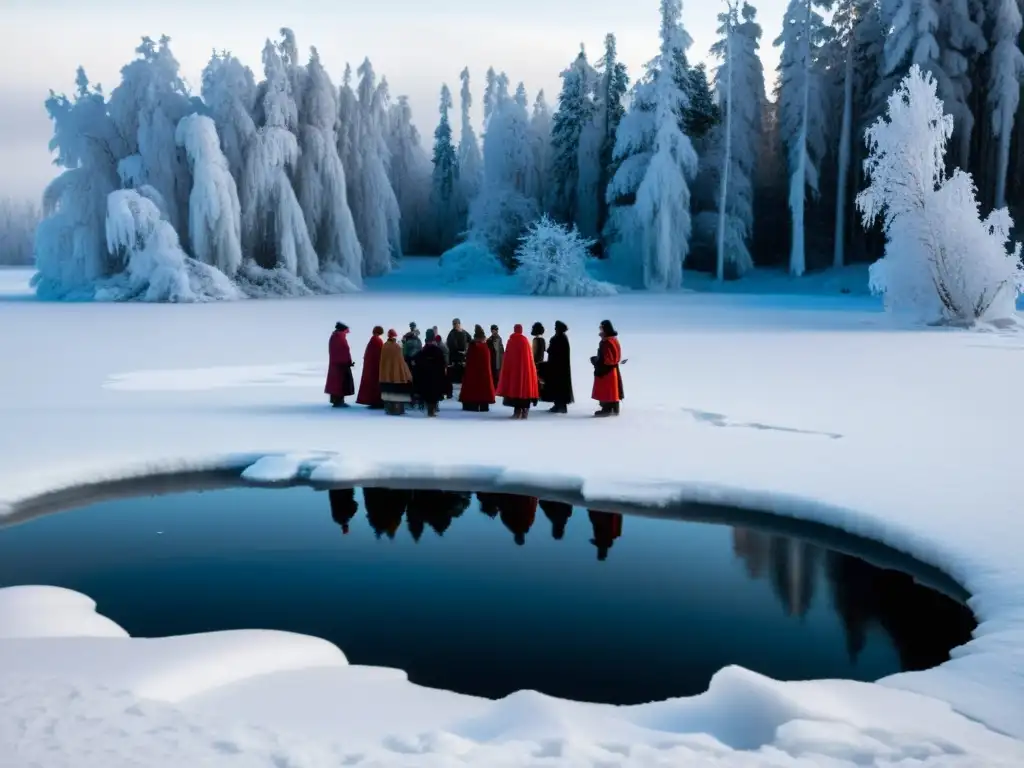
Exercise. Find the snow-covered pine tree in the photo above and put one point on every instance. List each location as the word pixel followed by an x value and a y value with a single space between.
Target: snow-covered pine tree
pixel 575 110
pixel 490 94
pixel 540 149
pixel 1006 69
pixel 445 178
pixel 229 93
pixel 650 192
pixel 942 260
pixel 409 170
pixel 274 232
pixel 610 102
pixel 800 114
pixel 471 163
pixel 146 107
pixel 215 215
pixel 701 113
pixel 322 184
pixel 371 197
pixel 70 242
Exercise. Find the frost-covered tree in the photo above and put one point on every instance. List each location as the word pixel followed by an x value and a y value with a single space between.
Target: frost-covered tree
pixel 650 189
pixel 552 261
pixel 146 107
pixel 702 112
pixel 445 178
pixel 273 224
pixel 409 169
pixel 801 115
pixel 18 221
pixel 155 266
pixel 574 112
pixel 215 215
pixel 610 107
pixel 942 260
pixel 540 149
pixel 1006 68
pixel 70 243
pixel 471 163
pixel 229 93
pixel 490 94
pixel 322 183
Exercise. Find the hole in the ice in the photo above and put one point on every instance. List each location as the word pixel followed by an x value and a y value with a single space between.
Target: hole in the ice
pixel 487 593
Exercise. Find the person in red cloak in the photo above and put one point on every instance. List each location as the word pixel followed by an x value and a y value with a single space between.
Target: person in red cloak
pixel 518 385
pixel 339 367
pixel 607 528
pixel 608 389
pixel 369 382
pixel 517 514
pixel 477 385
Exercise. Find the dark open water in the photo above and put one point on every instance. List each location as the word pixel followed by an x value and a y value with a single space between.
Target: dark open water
pixel 489 594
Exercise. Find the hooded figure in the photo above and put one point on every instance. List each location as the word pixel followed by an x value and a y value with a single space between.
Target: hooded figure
pixel 430 375
pixel 518 513
pixel 558 513
pixel 518 381
pixel 607 528
pixel 497 348
pixel 477 385
pixel 343 506
pixel 608 389
pixel 369 382
pixel 557 387
pixel 411 343
pixel 395 377
pixel 339 367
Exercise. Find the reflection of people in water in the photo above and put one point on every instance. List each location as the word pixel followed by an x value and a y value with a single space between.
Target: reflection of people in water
pixel 558 513
pixel 385 508
pixel 436 509
pixel 518 514
pixel 489 503
pixel 607 528
pixel 343 506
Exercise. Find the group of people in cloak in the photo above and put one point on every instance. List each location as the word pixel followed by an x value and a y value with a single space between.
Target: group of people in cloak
pixel 398 373
pixel 386 507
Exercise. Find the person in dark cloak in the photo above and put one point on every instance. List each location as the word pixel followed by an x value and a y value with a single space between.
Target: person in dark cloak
pixel 540 348
pixel 490 503
pixel 518 514
pixel 411 344
pixel 458 347
pixel 385 508
pixel 497 347
pixel 607 528
pixel 369 382
pixel 557 386
pixel 558 513
pixel 340 383
pixel 429 374
pixel 439 340
pixel 477 391
pixel 608 389
pixel 343 506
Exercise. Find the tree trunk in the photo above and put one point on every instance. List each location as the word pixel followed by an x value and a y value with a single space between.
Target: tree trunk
pixel 838 254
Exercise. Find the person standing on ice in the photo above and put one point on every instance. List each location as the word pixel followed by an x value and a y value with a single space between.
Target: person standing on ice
pixel 557 386
pixel 458 347
pixel 394 376
pixel 369 381
pixel 540 348
pixel 450 392
pixel 518 381
pixel 411 344
pixel 477 392
pixel 497 348
pixel 340 383
pixel 608 389
pixel 430 376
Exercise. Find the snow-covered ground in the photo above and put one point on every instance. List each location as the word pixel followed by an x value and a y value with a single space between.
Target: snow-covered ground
pixel 805 405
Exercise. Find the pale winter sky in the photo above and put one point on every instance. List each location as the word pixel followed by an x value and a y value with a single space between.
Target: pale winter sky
pixel 417 44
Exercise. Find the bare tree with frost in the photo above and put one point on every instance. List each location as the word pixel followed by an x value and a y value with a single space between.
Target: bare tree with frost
pixel 942 260
pixel 70 242
pixel 322 185
pixel 215 216
pixel 273 224
pixel 1006 68
pixel 552 261
pixel 155 266
pixel 650 189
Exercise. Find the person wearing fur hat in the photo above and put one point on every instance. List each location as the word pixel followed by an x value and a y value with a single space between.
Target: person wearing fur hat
pixel 557 386
pixel 608 389
pixel 339 367
pixel 430 377
pixel 395 377
pixel 369 381
pixel 477 393
pixel 518 382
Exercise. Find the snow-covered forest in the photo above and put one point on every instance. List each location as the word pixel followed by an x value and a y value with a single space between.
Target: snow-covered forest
pixel 285 182
pixel 18 220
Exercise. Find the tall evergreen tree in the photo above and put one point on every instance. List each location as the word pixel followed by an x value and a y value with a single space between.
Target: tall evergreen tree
pixel 445 177
pixel 613 85
pixel 1006 69
pixel 575 108
pixel 540 147
pixel 471 163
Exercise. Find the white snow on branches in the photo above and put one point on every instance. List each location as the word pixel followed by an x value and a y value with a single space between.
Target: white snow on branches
pixel 553 262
